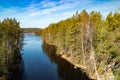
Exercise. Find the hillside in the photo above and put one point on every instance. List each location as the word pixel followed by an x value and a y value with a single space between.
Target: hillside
pixel 87 40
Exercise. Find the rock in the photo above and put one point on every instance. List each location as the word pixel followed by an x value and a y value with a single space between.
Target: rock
pixel 75 67
pixel 109 74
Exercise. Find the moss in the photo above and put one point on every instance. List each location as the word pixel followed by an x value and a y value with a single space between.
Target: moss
pixel 117 73
pixel 101 68
pixel 117 77
pixel 2 78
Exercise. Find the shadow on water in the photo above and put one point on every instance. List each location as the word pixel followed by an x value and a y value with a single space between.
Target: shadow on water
pixel 19 72
pixel 66 71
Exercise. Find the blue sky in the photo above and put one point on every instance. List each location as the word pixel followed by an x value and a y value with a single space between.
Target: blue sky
pixel 40 13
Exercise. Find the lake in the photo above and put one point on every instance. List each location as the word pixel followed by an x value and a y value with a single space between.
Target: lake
pixel 39 62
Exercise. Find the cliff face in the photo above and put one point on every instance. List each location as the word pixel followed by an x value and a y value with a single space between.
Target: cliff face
pixel 87 40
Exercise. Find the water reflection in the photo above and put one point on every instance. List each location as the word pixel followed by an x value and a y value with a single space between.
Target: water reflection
pixel 18 74
pixel 39 62
pixel 65 70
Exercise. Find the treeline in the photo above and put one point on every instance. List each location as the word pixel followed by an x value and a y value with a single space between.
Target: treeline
pixel 32 30
pixel 89 40
pixel 11 41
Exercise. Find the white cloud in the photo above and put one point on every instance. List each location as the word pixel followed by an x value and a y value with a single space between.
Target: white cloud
pixel 46 4
pixel 46 12
pixel 60 6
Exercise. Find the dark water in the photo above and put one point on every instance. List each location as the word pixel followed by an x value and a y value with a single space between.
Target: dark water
pixel 40 63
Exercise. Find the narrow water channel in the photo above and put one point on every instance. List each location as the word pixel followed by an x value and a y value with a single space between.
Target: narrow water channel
pixel 40 62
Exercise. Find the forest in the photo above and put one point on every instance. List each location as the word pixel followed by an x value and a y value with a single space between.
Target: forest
pixel 88 40
pixel 32 30
pixel 11 41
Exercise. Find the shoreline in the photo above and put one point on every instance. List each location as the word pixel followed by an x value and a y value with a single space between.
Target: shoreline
pixel 80 67
pixel 108 75
pixel 84 68
pixel 75 65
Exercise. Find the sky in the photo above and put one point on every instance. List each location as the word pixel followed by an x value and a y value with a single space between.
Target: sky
pixel 41 13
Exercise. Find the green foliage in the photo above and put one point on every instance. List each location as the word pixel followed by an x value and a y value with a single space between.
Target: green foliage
pixel 83 33
pixel 117 73
pixel 37 31
pixel 11 41
pixel 2 78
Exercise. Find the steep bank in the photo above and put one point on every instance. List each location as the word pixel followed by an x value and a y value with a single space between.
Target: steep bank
pixel 65 68
pixel 108 75
pixel 88 40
